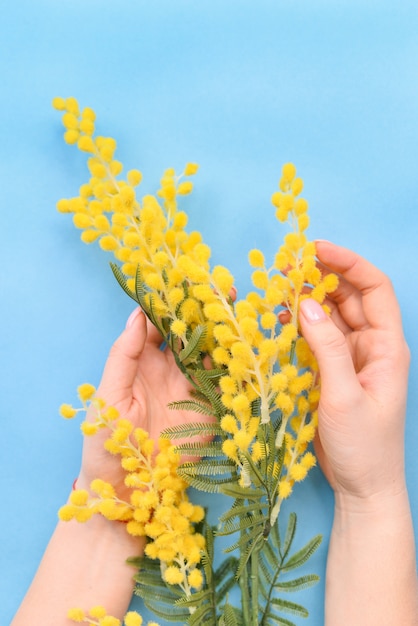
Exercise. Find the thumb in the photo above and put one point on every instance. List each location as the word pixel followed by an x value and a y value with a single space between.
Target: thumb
pixel 122 363
pixel 330 348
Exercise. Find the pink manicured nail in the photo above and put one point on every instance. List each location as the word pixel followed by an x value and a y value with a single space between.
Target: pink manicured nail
pixel 133 316
pixel 313 311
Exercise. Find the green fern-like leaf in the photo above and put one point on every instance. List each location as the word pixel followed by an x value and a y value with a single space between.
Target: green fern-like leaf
pixel 289 536
pixel 194 344
pixel 273 561
pixel 230 616
pixel 208 388
pixel 239 510
pixel 251 469
pixel 122 281
pixel 224 578
pixel 303 582
pixel 275 468
pixel 256 407
pixel 206 475
pixel 289 607
pixel 200 396
pixel 158 597
pixel 243 523
pixel 170 614
pixel 192 405
pixel 204 613
pixel 204 483
pixel 207 532
pixel 302 555
pixel 161 324
pixel 195 599
pixel 246 540
pixel 195 429
pixel 206 467
pixel 277 619
pixel 220 581
pixel 211 449
pixel 215 374
pixel 234 490
pixel 139 285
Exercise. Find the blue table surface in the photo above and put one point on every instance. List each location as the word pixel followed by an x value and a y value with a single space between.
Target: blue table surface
pixel 240 87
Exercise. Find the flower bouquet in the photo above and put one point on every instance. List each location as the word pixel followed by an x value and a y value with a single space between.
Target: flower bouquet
pixel 254 382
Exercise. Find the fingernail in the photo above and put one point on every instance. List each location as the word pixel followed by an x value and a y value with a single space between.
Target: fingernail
pixel 313 311
pixel 131 319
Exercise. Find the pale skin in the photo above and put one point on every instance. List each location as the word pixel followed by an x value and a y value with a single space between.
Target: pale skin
pixel 363 360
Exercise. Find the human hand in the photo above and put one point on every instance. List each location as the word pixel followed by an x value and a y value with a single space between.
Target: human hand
pixel 363 361
pixel 139 380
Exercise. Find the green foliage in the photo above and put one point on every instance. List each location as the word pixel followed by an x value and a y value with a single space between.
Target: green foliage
pixel 230 616
pixel 183 431
pixel 273 561
pixel 120 277
pixel 206 605
pixel 208 475
pixel 208 389
pixel 193 405
pixel 193 349
pixel 158 597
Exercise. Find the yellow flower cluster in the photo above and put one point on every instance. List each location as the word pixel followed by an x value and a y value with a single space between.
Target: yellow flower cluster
pixel 269 362
pixel 270 373
pixel 157 507
pixel 98 616
pixel 149 234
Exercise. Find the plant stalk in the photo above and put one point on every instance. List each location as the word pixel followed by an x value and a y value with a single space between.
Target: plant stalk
pixel 245 600
pixel 254 588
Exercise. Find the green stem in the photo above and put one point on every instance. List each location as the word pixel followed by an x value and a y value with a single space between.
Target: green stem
pixel 254 586
pixel 245 600
pixel 271 590
pixel 275 511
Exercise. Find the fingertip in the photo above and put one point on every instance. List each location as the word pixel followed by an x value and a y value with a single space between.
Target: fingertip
pixel 233 293
pixel 326 241
pixel 133 317
pixel 312 311
pixel 325 250
pixel 284 316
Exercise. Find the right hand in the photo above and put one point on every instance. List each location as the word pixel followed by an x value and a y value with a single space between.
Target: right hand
pixel 363 361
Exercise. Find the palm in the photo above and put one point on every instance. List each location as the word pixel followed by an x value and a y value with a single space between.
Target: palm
pixel 139 380
pixel 159 381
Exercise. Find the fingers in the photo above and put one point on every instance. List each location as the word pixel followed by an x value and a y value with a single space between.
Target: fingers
pixel 154 336
pixel 365 294
pixel 122 364
pixel 345 302
pixel 330 349
pixel 285 315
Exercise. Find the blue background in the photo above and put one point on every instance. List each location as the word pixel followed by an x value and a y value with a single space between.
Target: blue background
pixel 240 87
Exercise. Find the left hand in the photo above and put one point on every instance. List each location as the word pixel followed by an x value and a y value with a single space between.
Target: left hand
pixel 139 380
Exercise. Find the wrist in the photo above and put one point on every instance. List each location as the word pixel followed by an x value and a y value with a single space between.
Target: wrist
pixel 110 540
pixel 371 568
pixel 386 502
pixel 106 529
